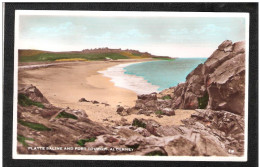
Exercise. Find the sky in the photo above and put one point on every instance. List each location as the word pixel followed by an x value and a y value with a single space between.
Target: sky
pixel 161 36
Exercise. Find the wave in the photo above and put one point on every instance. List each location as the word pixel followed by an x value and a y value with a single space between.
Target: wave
pixel 131 82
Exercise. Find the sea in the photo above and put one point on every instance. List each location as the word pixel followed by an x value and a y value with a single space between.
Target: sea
pixel 152 76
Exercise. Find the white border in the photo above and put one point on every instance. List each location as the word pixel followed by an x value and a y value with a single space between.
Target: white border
pixel 126 14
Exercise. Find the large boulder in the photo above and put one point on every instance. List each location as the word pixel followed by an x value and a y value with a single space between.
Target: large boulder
pixel 217 84
pixel 227 86
pixel 32 93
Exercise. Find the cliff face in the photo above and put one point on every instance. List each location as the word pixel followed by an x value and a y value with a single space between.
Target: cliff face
pixel 218 84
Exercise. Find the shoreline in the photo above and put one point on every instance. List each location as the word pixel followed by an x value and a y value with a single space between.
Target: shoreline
pixel 64 84
pixel 134 83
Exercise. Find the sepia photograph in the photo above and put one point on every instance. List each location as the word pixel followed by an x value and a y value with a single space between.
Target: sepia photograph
pixel 130 85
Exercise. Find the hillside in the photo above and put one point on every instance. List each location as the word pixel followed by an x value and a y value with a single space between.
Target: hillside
pixel 84 55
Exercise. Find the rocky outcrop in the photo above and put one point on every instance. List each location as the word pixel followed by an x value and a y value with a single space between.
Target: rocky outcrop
pixel 218 84
pixel 32 93
pixel 67 131
pixel 221 77
pixel 41 124
pixel 148 104
pixel 205 133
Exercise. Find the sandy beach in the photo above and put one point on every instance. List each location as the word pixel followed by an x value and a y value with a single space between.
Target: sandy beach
pixel 64 84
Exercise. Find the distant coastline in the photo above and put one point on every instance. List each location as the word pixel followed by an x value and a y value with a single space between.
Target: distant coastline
pixel 97 54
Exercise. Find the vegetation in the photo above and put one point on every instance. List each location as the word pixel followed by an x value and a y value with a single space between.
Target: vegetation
pixel 34 126
pixel 135 146
pixel 167 97
pixel 131 55
pixel 82 142
pixel 22 139
pixel 137 54
pixel 64 114
pixel 48 56
pixel 29 52
pixel 164 58
pixel 23 100
pixel 72 59
pixel 203 101
pixel 155 153
pixel 38 55
pixel 158 112
pixel 138 123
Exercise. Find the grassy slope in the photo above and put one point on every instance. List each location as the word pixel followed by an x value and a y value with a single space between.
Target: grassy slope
pixel 36 55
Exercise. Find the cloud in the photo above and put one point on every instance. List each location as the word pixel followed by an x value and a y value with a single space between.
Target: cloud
pixel 201 34
pixel 132 33
pixel 61 28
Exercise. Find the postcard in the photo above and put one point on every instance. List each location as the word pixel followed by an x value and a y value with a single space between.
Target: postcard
pixel 117 85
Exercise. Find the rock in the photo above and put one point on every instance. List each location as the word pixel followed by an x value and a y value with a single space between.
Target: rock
pixel 126 133
pixel 149 124
pixel 134 142
pixel 120 109
pixel 32 93
pixel 239 47
pixel 168 111
pixel 79 113
pixel 140 104
pixel 155 152
pixel 105 104
pixel 83 100
pixel 123 119
pixel 218 126
pixel 163 103
pixel 143 132
pixel 132 110
pixel 152 96
pixel 168 131
pixel 228 49
pixel 47 113
pixel 150 104
pixel 181 147
pixel 230 76
pixel 224 45
pixel 145 112
pixel 111 139
pixel 95 102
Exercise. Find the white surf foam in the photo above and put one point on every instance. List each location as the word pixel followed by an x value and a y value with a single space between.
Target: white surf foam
pixel 131 82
